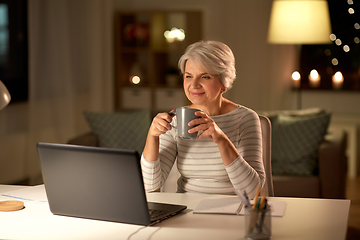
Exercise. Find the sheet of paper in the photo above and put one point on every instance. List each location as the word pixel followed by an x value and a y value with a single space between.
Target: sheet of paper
pixel 228 205
pixel 233 206
pixel 29 194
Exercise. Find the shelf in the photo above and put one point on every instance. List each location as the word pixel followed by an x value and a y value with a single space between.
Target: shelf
pixel 142 50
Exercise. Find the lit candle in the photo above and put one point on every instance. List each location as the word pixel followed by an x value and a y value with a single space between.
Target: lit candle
pixel 314 79
pixel 135 80
pixel 337 80
pixel 135 74
pixel 296 79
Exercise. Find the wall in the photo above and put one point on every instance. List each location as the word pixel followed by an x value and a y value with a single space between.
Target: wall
pixel 262 69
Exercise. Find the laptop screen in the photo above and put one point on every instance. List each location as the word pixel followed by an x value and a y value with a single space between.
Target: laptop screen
pixel 96 183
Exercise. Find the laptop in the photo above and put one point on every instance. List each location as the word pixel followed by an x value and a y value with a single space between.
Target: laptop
pixel 98 183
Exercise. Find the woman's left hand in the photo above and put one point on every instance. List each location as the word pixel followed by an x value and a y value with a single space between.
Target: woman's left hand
pixel 208 127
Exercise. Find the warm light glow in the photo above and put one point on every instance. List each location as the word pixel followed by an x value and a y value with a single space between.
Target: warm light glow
pixel 357 40
pixel 299 22
pixel 338 76
pixel 327 52
pixel 346 48
pixel 135 79
pixel 357 26
pixel 314 78
pixel 296 79
pixel 337 80
pixel 334 61
pixel 332 37
pixel 296 75
pixel 314 74
pixel 351 11
pixel 174 35
pixel 338 42
pixel 350 2
pixel 135 73
pixel 4 96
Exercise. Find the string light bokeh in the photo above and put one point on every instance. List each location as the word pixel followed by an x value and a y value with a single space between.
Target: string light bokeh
pixel 343 55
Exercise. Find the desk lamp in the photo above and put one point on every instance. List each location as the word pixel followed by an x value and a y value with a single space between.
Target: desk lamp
pixel 299 22
pixel 4 96
pixel 4 100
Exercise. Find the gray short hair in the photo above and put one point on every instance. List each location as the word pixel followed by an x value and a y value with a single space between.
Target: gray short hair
pixel 215 57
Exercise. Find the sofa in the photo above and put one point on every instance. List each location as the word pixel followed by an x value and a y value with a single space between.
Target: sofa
pixel 308 158
pixel 325 179
pixel 329 182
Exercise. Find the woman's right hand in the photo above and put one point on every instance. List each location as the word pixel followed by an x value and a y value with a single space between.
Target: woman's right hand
pixel 160 124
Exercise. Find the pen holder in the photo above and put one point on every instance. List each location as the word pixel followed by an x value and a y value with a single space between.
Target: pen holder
pixel 257 223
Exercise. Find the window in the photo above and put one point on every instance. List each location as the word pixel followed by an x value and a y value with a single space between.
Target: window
pixel 342 55
pixel 13 48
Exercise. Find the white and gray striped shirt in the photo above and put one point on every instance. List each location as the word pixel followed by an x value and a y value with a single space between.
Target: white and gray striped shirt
pixel 199 162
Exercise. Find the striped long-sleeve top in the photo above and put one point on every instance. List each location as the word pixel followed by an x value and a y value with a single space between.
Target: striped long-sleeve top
pixel 199 161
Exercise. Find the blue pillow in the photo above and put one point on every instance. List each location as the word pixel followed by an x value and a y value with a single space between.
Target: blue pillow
pixel 295 143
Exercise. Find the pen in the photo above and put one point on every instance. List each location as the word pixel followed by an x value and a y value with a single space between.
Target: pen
pixel 245 194
pixel 256 198
pixel 250 227
pixel 262 201
pixel 259 206
pixel 263 216
pixel 244 198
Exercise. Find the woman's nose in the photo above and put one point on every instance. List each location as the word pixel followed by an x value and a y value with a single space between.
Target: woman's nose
pixel 196 82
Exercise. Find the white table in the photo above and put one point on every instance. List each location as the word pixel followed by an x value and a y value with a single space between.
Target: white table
pixel 303 219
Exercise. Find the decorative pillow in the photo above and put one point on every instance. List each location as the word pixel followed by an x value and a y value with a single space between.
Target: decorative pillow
pixel 295 113
pixel 295 143
pixel 126 130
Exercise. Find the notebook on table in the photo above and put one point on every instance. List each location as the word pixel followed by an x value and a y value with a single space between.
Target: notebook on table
pixel 98 183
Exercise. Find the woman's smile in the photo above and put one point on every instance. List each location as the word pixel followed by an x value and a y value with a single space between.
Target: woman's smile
pixel 197 94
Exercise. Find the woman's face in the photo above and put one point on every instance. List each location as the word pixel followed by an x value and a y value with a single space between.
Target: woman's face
pixel 200 87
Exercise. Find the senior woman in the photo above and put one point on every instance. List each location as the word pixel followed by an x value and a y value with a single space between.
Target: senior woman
pixel 227 153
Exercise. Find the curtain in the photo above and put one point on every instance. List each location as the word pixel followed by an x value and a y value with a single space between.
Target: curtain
pixel 70 70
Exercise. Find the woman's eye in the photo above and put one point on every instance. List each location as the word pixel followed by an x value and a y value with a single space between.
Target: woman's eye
pixel 187 76
pixel 206 77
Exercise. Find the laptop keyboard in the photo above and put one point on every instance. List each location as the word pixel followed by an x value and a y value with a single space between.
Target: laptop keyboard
pixel 154 213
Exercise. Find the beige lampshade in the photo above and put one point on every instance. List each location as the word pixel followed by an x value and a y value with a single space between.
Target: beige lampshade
pixel 4 96
pixel 299 22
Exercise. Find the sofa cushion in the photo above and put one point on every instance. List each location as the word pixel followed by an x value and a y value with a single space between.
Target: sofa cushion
pixel 295 142
pixel 295 113
pixel 300 113
pixel 126 130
